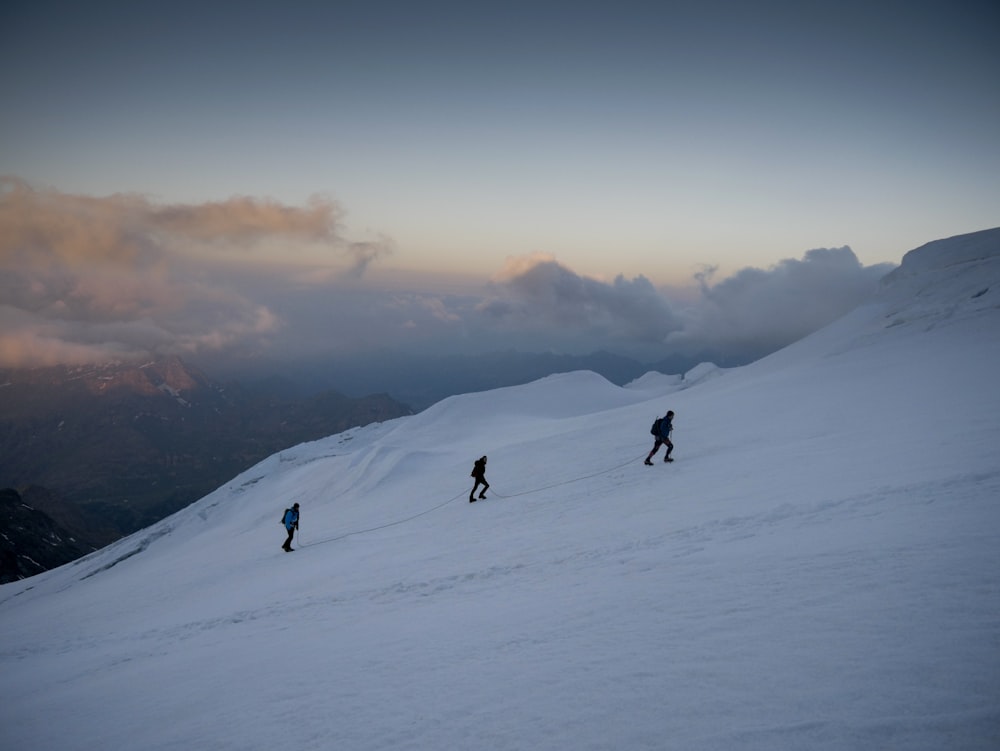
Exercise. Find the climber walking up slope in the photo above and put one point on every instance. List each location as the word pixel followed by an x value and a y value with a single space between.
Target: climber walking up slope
pixel 661 431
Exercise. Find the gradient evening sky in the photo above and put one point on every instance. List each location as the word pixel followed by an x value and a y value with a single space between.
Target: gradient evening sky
pixel 648 140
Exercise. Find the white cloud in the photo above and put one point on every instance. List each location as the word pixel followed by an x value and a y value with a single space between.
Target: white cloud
pixel 94 278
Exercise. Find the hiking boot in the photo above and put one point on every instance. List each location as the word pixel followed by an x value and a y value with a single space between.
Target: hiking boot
pixel 648 463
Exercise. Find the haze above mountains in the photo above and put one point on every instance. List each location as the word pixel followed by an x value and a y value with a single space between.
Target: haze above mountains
pixel 91 453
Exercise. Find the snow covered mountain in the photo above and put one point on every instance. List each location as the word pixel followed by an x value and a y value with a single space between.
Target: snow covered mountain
pixel 818 569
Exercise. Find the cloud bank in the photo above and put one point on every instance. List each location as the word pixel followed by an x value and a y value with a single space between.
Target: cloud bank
pixel 86 279
pixel 743 317
pixel 537 292
pixel 757 311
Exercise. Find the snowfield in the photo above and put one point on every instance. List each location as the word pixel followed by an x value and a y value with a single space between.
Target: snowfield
pixel 818 569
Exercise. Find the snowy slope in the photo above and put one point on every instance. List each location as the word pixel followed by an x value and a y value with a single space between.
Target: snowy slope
pixel 819 569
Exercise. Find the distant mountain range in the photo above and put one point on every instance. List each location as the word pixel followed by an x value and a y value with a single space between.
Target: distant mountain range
pixel 420 380
pixel 103 450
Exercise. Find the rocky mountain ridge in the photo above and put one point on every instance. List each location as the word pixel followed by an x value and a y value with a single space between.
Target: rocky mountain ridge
pixel 31 541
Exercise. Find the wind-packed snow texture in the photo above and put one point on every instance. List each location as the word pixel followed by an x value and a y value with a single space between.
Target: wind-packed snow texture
pixel 818 569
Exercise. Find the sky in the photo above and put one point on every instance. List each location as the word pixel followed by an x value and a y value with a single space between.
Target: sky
pixel 819 568
pixel 386 168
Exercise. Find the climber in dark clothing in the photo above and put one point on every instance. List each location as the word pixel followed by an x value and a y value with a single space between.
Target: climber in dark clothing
pixel 479 472
pixel 663 438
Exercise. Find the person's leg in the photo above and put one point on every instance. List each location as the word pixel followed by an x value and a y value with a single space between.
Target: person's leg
pixel 656 447
pixel 670 447
pixel 486 486
pixel 472 493
pixel 288 540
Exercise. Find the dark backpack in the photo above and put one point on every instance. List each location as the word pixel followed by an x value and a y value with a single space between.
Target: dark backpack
pixel 655 430
pixel 284 515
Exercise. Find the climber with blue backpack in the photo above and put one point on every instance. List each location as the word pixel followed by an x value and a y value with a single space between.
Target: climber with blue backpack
pixel 291 521
pixel 661 430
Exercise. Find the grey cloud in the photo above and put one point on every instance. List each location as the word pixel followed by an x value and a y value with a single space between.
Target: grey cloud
pixel 761 310
pixel 543 293
pixel 740 318
pixel 364 254
pixel 538 304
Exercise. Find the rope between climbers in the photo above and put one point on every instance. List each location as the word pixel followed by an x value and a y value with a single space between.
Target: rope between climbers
pixel 568 482
pixel 455 498
pixel 381 526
